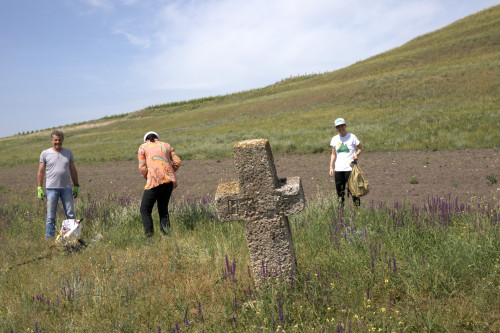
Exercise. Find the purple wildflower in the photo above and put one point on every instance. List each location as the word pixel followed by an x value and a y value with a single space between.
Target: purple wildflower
pixel 199 311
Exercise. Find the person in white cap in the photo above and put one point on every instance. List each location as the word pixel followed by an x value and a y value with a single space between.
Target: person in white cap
pixel 346 148
pixel 158 163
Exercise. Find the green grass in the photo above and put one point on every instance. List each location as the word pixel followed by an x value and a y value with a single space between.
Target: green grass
pixel 492 178
pixel 438 91
pixel 379 268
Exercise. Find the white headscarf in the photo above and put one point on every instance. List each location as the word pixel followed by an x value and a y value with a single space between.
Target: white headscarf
pixel 151 132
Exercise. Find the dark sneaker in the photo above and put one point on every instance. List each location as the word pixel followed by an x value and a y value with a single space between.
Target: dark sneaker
pixel 165 226
pixel 164 230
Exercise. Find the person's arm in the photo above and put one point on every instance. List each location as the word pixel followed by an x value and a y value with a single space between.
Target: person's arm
pixel 74 174
pixel 143 168
pixel 74 177
pixel 176 161
pixel 39 180
pixel 359 150
pixel 40 174
pixel 333 158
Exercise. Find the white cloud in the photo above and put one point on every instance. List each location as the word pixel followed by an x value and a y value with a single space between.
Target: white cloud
pixel 216 44
pixel 107 5
pixel 100 4
pixel 142 42
pixel 130 2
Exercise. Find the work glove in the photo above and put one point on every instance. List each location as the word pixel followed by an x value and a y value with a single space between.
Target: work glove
pixel 40 193
pixel 75 191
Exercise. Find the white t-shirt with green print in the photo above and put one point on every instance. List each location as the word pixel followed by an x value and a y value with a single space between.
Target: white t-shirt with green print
pixel 345 148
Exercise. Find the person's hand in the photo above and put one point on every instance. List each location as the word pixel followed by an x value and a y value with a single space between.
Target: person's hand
pixel 40 193
pixel 175 184
pixel 75 191
pixel 331 172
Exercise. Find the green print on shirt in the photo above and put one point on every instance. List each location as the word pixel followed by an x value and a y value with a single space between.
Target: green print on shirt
pixel 343 148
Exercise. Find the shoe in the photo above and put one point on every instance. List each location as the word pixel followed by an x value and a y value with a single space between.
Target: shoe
pixel 165 226
pixel 164 230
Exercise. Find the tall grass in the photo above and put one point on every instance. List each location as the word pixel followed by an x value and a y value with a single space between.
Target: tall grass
pixel 382 268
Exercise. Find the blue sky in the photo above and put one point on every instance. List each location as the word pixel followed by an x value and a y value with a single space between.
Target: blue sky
pixel 67 61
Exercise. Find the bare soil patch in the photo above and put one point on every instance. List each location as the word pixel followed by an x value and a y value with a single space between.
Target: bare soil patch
pixel 440 174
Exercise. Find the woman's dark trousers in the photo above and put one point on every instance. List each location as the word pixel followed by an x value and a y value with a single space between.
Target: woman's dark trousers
pixel 341 178
pixel 160 195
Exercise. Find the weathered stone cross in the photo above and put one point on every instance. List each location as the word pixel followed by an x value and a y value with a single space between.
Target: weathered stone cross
pixel 263 201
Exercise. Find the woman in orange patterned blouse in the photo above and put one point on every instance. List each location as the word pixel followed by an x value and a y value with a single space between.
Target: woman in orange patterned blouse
pixel 158 164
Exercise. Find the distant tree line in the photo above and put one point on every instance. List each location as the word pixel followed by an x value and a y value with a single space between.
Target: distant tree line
pixel 27 132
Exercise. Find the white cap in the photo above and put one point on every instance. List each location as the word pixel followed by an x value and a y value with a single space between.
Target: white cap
pixel 151 132
pixel 339 121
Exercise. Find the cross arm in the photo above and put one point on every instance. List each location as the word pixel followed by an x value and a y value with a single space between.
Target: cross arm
pixel 226 201
pixel 292 195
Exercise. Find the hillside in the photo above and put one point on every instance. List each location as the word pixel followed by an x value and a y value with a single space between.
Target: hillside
pixel 438 91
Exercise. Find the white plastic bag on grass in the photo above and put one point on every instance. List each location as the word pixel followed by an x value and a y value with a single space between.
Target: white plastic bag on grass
pixel 70 230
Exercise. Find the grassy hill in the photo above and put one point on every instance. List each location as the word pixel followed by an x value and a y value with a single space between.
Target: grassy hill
pixel 438 91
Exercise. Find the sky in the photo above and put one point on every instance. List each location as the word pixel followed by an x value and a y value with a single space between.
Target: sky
pixel 69 61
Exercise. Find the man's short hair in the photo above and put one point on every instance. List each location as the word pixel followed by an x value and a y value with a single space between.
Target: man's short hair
pixel 57 133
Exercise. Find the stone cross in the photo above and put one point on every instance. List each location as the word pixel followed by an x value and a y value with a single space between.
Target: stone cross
pixel 263 202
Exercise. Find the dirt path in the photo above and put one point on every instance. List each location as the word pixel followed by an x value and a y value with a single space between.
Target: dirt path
pixel 461 174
